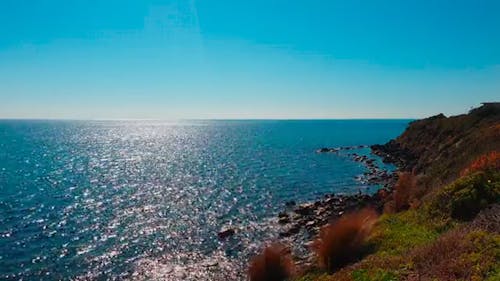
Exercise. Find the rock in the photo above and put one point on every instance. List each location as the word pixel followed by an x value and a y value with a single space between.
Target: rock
pixel 294 229
pixel 310 224
pixel 225 233
pixel 211 263
pixel 290 203
pixel 330 200
pixel 283 215
pixel 320 211
pixel 284 220
pixel 304 209
pixel 309 244
pixel 315 229
pixel 326 150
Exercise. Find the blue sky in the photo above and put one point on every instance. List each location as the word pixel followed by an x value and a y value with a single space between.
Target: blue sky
pixel 92 59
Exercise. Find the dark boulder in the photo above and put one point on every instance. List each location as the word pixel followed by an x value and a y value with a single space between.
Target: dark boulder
pixel 225 233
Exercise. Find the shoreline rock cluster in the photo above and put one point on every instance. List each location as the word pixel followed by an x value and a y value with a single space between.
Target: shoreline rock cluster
pixel 310 217
pixel 337 149
pixel 375 174
pixel 393 153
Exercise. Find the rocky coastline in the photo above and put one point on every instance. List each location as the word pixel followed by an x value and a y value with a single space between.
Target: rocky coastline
pixel 308 218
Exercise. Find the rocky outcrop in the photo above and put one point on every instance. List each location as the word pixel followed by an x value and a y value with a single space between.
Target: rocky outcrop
pixel 393 153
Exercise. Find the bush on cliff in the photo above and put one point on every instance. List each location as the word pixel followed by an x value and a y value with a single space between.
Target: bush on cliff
pixel 465 197
pixel 341 242
pixel 273 264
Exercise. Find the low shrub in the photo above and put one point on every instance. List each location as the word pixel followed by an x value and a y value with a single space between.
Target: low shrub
pixel 273 264
pixel 341 242
pixel 376 275
pixel 465 197
pixel 460 254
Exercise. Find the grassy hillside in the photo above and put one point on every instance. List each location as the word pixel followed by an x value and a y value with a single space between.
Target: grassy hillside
pixel 429 243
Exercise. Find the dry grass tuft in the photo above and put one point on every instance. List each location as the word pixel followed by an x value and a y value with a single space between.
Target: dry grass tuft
pixel 341 242
pixel 405 191
pixel 273 264
pixel 406 194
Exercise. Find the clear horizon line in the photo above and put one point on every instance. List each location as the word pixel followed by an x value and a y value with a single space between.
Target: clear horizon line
pixel 204 119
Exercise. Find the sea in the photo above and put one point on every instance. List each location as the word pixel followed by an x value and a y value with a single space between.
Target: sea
pixel 145 200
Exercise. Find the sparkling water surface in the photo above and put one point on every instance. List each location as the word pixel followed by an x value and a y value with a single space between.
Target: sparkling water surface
pixel 104 200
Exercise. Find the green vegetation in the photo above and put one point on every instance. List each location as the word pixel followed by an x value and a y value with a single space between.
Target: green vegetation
pixel 432 242
pixel 397 233
pixel 464 198
pixel 377 275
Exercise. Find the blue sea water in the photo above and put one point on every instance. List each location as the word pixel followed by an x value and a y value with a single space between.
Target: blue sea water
pixel 112 200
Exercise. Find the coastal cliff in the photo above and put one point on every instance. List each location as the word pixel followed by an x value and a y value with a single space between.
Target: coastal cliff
pixel 440 219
